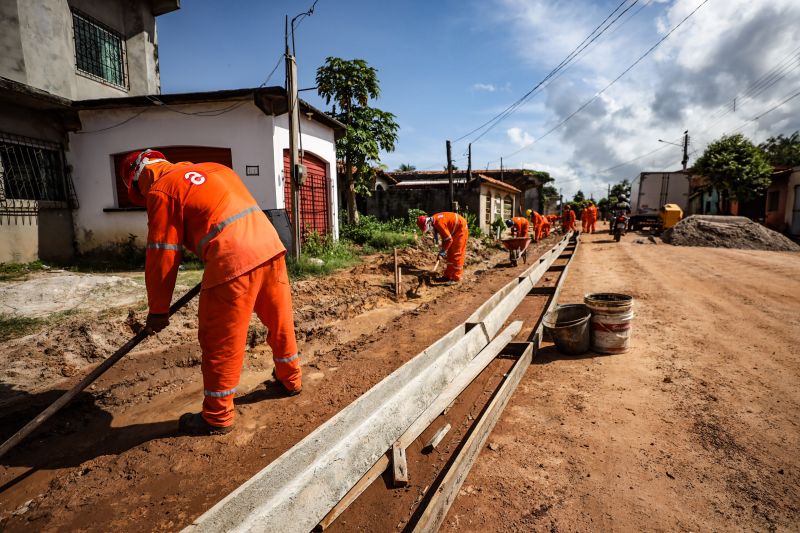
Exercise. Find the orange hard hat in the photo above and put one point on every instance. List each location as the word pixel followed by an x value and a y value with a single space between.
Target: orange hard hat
pixel 131 168
pixel 422 223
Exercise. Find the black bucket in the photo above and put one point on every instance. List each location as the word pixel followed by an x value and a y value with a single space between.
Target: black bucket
pixel 568 326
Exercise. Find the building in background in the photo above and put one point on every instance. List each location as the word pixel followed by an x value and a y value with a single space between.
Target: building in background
pixel 80 86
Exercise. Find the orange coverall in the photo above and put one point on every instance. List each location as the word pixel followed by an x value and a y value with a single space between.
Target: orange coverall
pixel 568 222
pixel 585 214
pixel 521 226
pixel 538 223
pixel 592 218
pixel 452 229
pixel 207 209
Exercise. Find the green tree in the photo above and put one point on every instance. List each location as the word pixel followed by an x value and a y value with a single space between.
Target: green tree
pixel 783 151
pixel 579 197
pixel 737 168
pixel 406 167
pixel 350 84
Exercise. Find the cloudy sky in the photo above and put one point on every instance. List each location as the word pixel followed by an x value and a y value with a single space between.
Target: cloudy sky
pixel 448 66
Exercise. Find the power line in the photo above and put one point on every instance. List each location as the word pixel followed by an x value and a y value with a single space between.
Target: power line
pixel 511 108
pixel 604 89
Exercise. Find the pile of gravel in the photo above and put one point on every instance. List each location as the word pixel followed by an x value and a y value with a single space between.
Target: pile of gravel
pixel 726 232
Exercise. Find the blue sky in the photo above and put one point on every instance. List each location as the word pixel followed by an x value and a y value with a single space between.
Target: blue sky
pixel 447 66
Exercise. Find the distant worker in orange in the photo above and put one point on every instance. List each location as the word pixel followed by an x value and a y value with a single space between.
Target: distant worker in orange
pixel 585 217
pixel 592 225
pixel 451 231
pixel 568 220
pixel 206 209
pixel 539 224
pixel 519 226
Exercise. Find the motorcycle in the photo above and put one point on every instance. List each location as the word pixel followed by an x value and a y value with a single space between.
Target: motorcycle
pixel 619 223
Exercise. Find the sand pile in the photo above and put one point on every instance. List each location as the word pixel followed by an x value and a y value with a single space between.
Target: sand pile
pixel 726 232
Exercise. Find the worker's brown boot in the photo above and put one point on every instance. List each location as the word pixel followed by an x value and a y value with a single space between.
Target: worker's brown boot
pixel 293 392
pixel 195 424
pixel 444 280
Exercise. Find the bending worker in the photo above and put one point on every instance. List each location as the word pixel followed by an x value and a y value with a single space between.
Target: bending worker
pixel 541 225
pixel 207 209
pixel 519 226
pixel 450 229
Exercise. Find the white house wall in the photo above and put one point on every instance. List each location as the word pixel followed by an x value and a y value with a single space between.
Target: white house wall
pixel 317 139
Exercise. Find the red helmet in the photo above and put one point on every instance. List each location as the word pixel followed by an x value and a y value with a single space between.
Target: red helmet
pixel 132 166
pixel 422 222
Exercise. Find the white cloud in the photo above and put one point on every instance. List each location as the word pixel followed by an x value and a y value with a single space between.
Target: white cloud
pixel 488 87
pixel 519 137
pixel 689 82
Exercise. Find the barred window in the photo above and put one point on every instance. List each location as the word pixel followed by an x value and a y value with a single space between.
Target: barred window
pixel 99 51
pixel 32 170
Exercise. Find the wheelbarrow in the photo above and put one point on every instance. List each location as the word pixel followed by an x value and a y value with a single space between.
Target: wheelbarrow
pixel 517 248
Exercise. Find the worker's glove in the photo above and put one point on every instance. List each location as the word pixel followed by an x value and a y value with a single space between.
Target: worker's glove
pixel 156 322
pixel 442 253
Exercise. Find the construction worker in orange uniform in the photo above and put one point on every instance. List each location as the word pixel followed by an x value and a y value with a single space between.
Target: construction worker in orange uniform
pixel 206 209
pixel 568 220
pixel 585 217
pixel 520 227
pixel 451 230
pixel 592 217
pixel 540 225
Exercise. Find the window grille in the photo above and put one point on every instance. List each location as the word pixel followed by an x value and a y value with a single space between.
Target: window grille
pixel 508 207
pixel 99 51
pixel 34 170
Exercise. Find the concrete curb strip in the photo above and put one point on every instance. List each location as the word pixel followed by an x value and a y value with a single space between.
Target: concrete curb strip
pixel 296 491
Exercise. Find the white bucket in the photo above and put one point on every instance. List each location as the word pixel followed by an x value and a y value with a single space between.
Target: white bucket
pixel 611 333
pixel 612 314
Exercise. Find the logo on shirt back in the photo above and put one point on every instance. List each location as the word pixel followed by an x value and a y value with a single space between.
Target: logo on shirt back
pixel 194 177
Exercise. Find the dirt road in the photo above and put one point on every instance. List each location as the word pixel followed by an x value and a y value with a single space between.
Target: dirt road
pixel 696 428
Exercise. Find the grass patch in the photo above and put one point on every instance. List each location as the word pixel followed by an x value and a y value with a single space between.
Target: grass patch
pixel 9 271
pixel 377 235
pixel 12 327
pixel 321 255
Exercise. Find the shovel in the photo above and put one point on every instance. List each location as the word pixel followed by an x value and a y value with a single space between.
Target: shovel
pixel 65 398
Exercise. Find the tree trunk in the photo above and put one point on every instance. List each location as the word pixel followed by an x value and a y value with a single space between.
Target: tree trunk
pixel 352 210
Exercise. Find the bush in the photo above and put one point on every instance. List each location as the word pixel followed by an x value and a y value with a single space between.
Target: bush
pixel 473 224
pixel 321 255
pixel 374 234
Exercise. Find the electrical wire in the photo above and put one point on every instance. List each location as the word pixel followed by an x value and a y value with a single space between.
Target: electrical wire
pixel 615 80
pixel 491 123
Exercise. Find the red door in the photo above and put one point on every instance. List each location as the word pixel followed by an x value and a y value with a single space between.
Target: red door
pixel 315 213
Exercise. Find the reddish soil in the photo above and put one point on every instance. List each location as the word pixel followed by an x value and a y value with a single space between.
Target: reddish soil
pixel 696 428
pixel 113 460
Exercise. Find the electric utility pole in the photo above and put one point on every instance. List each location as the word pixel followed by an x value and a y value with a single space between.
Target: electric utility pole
pixel 450 175
pixel 501 169
pixel 685 149
pixel 295 174
pixel 469 162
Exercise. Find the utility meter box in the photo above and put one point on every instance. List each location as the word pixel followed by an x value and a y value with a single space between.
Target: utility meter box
pixel 300 173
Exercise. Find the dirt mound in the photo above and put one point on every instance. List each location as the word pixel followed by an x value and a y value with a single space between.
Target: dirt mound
pixel 726 232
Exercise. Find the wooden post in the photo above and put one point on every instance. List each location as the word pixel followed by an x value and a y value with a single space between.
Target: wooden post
pixel 396 276
pixel 399 466
pixel 399 281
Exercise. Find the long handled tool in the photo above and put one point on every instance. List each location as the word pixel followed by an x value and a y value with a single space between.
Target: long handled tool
pixel 93 375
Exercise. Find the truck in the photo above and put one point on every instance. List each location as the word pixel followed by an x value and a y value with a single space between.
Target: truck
pixel 650 191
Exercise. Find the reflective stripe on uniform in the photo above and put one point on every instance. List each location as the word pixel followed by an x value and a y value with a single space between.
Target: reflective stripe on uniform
pixel 219 227
pixel 286 359
pixel 219 394
pixel 164 246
